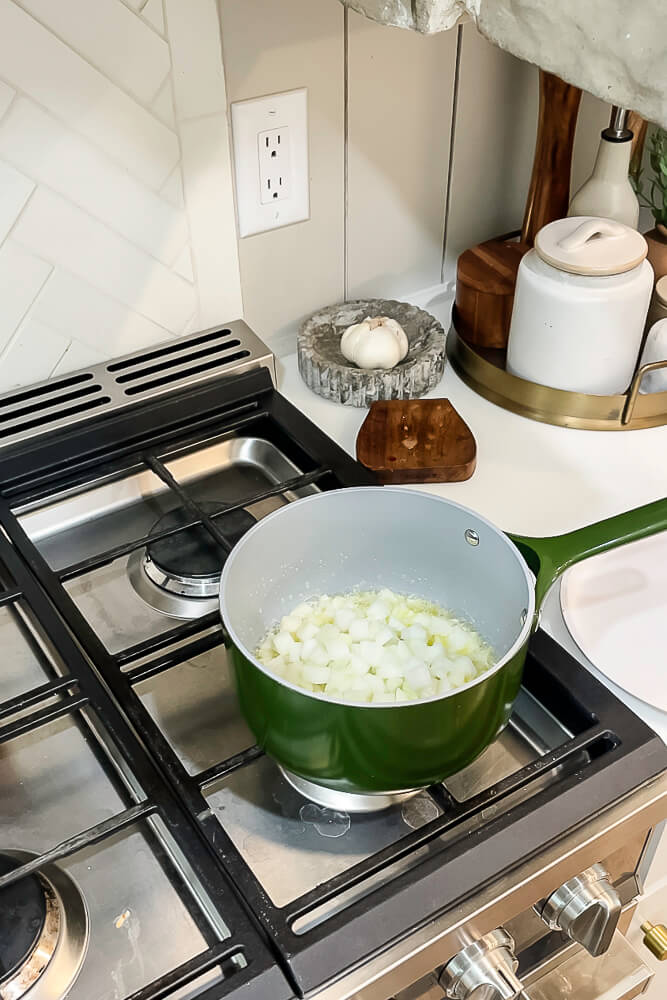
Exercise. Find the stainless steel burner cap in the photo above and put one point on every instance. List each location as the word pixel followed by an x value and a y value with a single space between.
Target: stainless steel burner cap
pixel 52 963
pixel 178 574
pixel 349 802
pixel 184 586
pixel 167 603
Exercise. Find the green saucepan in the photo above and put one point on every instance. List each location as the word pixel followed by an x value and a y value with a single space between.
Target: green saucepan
pixel 413 543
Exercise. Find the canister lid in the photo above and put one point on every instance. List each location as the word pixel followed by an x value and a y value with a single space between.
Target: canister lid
pixel 587 245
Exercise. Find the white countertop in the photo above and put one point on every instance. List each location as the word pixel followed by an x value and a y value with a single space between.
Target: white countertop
pixel 531 478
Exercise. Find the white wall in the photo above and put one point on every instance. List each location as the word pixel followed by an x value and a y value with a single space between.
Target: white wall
pixel 107 117
pixel 382 171
pixel 117 223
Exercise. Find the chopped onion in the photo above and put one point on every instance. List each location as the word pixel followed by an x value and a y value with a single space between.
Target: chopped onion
pixel 375 646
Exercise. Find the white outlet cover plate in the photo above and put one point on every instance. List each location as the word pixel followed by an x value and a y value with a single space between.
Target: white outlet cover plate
pixel 249 118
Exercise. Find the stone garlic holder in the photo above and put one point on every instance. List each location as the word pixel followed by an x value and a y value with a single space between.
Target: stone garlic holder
pixel 325 370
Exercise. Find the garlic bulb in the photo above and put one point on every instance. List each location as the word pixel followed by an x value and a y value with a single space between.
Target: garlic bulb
pixel 378 342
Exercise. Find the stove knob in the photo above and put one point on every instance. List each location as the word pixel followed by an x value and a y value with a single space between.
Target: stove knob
pixel 586 908
pixel 655 939
pixel 484 970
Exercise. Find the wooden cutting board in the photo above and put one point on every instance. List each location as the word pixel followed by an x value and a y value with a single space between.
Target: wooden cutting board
pixel 416 441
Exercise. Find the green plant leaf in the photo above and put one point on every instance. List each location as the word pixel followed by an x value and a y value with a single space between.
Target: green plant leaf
pixel 655 197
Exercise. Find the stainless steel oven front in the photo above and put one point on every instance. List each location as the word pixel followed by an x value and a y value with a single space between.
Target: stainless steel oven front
pixel 553 928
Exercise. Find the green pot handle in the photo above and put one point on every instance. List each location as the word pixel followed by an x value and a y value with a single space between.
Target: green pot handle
pixel 549 557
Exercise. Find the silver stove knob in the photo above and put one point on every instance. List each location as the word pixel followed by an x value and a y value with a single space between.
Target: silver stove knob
pixel 586 908
pixel 483 970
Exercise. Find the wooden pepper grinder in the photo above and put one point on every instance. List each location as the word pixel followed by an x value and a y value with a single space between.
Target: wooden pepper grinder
pixel 486 274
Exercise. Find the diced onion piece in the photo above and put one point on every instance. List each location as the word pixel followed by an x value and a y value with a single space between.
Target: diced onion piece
pixel 283 643
pixel 419 676
pixel 389 668
pixel 379 610
pixel 415 632
pixel 306 631
pixel 344 618
pixel 359 629
pixel 316 675
pixel 376 647
pixel 290 623
pixel 384 635
pixel 319 656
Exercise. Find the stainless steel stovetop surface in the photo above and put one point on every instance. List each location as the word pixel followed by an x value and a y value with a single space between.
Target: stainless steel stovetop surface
pixel 56 782
pixel 290 844
pixel 84 525
pixel 52 786
pixel 53 782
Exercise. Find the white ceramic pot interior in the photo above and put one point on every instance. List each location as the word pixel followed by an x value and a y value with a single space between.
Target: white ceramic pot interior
pixel 373 537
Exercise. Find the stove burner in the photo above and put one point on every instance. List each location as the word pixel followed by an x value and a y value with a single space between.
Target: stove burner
pixel 349 802
pixel 43 932
pixel 22 917
pixel 180 575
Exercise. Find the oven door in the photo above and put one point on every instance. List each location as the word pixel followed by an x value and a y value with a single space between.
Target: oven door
pixel 619 974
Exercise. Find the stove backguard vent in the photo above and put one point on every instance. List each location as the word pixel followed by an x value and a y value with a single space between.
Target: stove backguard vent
pixel 60 402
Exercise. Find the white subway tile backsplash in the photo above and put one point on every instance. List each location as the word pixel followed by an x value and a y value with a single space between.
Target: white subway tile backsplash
pixel 115 184
pixel 172 189
pixel 55 229
pixel 153 12
pixel 398 147
pixel 32 355
pixel 35 61
pixel 77 356
pixel 45 150
pixel 163 105
pixel 112 38
pixel 183 264
pixel 14 192
pixel 270 47
pixel 6 97
pixel 193 326
pixel 207 182
pixel 496 122
pixel 21 277
pixel 98 322
pixel 194 36
pixel 99 257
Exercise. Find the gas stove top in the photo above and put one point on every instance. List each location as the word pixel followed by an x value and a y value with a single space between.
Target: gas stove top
pixel 148 849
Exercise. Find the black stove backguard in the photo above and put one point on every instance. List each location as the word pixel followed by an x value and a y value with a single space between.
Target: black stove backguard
pixel 607 751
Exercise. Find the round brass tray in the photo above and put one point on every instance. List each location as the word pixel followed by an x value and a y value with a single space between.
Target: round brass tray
pixel 483 369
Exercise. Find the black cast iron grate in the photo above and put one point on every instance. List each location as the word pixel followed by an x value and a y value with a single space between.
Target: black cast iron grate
pixel 74 691
pixel 610 754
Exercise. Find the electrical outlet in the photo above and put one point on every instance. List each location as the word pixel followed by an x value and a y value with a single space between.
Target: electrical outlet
pixel 274 164
pixel 271 161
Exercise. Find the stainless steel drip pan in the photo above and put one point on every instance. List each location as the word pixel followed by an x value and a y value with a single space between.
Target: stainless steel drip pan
pixel 194 704
pixel 53 785
pixel 83 524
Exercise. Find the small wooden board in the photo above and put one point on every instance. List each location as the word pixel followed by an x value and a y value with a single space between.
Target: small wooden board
pixel 416 441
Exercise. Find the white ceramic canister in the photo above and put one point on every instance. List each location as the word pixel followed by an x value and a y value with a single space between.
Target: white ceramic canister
pixel 582 295
pixel 655 349
pixel 658 308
